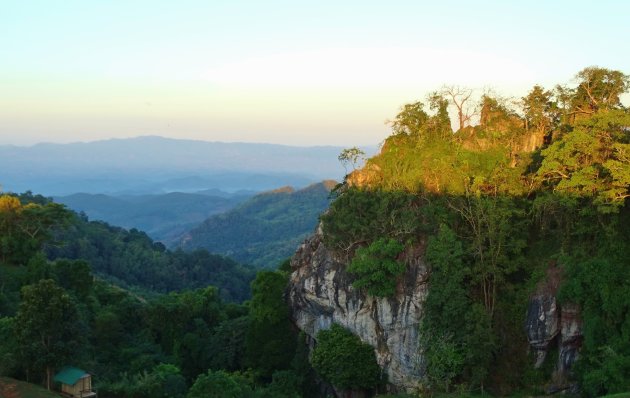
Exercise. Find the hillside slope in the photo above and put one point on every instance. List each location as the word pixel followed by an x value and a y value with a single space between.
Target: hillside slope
pixel 265 229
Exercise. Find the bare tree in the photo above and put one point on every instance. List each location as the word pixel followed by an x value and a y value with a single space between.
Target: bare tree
pixel 461 99
pixel 351 156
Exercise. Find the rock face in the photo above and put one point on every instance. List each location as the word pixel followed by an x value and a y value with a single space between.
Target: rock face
pixel 543 325
pixel 550 325
pixel 570 337
pixel 321 293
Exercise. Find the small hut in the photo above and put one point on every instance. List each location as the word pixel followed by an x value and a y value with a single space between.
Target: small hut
pixel 75 382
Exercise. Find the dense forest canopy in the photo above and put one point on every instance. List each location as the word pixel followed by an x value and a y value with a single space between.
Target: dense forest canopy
pixel 61 303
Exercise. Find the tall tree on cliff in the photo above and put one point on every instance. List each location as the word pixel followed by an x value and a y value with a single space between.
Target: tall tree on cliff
pixel 460 98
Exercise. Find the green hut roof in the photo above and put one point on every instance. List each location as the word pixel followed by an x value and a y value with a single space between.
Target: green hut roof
pixel 70 375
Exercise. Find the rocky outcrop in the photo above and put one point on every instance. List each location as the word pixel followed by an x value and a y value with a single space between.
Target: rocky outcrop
pixel 550 325
pixel 364 177
pixel 570 337
pixel 321 293
pixel 542 325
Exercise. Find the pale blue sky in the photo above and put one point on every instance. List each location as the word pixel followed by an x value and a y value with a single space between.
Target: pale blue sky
pixel 325 72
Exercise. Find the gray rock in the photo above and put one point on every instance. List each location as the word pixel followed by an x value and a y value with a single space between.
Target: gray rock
pixel 550 325
pixel 321 293
pixel 542 325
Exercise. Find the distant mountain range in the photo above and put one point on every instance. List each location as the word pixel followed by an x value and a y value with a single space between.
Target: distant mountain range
pixel 153 165
pixel 163 217
pixel 266 228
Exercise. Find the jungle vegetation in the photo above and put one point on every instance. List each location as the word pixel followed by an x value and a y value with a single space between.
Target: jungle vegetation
pixel 519 188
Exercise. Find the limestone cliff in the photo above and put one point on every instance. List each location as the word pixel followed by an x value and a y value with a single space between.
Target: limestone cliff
pixel 321 293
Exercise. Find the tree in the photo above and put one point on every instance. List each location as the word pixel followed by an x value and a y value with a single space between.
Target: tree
pixel 377 268
pixel 9 347
pixel 351 156
pixel 270 340
pixel 496 236
pixel 47 327
pixel 444 325
pixel 460 98
pixel 440 122
pixel 218 384
pixel 410 120
pixel 74 276
pixel 24 228
pixel 227 344
pixel 540 110
pixel 593 160
pixel 599 88
pixel 342 359
pixel 164 381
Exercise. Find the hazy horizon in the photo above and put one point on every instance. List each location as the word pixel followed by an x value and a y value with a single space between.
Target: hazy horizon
pixel 153 136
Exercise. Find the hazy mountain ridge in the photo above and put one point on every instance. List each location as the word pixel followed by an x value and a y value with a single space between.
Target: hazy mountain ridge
pixel 153 164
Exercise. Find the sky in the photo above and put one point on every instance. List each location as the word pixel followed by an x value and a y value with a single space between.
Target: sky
pixel 290 72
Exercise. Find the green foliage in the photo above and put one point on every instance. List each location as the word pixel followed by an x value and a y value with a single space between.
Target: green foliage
pixel 540 110
pixel 218 384
pixel 270 340
pixel 9 347
pixel 593 160
pixel 144 346
pixel 171 316
pixel 376 267
pixel 38 268
pixel 265 229
pixel 343 360
pixel 284 384
pixel 360 217
pixel 164 381
pixel 302 369
pixel 448 298
pixel 598 280
pixel 132 259
pixel 226 346
pixel 496 229
pixel 445 361
pixel 25 226
pixel 410 120
pixel 598 89
pixel 444 326
pixel 47 327
pixel 74 276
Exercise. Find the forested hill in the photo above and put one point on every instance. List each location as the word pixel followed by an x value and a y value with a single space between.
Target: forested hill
pixel 265 229
pixel 128 258
pixel 518 218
